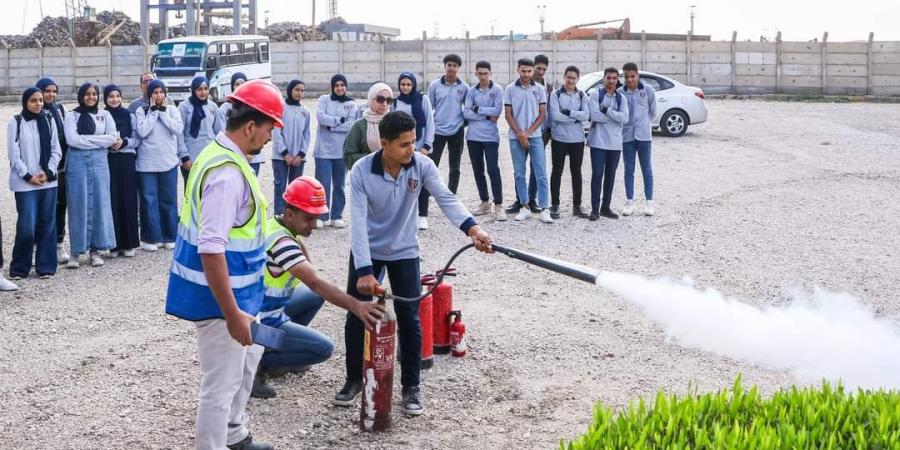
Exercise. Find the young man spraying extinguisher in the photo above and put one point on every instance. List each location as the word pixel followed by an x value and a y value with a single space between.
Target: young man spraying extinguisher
pixel 384 193
pixel 294 289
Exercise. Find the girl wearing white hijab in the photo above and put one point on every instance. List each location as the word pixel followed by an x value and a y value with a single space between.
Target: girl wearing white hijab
pixel 363 137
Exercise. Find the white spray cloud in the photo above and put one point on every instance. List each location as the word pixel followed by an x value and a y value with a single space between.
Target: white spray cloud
pixel 827 335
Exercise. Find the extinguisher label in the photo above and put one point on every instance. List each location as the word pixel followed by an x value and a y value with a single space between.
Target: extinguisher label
pixel 384 353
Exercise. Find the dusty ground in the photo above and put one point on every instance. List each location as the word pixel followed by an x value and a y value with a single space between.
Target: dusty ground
pixel 765 198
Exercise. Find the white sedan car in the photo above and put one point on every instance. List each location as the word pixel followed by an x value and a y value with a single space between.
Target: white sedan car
pixel 677 105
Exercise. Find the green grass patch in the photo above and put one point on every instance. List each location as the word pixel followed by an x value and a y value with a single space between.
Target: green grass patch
pixel 826 417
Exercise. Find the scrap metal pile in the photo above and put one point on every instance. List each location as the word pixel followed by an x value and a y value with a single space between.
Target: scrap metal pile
pixel 121 30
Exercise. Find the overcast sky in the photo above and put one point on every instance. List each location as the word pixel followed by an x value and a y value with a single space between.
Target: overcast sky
pixel 796 19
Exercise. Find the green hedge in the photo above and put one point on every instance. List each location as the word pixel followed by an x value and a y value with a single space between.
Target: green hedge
pixel 736 419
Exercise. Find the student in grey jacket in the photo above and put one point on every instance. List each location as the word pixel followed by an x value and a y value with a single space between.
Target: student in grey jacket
pixel 89 132
pixel 609 112
pixel 123 174
pixel 417 105
pixel 569 107
pixel 384 189
pixel 447 94
pixel 290 143
pixel 201 124
pixel 637 136
pixel 483 108
pixel 157 166
pixel 237 79
pixel 336 113
pixel 32 143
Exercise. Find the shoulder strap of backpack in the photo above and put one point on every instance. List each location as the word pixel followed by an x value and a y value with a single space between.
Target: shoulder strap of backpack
pixel 18 126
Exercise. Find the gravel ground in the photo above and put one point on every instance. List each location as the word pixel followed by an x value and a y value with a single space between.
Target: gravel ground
pixel 766 198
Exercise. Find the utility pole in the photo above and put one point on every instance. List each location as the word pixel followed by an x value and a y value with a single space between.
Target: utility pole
pixel 692 18
pixel 541 10
pixel 493 24
pixel 313 24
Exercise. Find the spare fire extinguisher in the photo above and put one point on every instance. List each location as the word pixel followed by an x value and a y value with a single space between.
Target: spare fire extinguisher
pixel 442 305
pixel 378 371
pixel 457 335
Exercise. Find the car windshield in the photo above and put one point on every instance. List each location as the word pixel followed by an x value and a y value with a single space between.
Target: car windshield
pixel 589 80
pixel 180 55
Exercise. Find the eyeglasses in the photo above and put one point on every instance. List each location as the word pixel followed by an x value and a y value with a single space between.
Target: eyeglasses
pixel 383 99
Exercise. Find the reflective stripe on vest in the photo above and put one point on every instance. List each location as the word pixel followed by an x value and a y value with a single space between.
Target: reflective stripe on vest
pixel 189 296
pixel 280 289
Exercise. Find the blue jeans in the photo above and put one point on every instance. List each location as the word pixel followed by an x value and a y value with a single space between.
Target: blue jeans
pixel 538 155
pixel 603 173
pixel 158 192
pixel 642 148
pixel 479 153
pixel 35 233
pixel 255 167
pixel 332 173
pixel 302 346
pixel 405 281
pixel 283 175
pixel 89 203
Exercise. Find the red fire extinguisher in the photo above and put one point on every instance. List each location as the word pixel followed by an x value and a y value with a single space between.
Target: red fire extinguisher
pixel 442 304
pixel 378 372
pixel 426 319
pixel 457 335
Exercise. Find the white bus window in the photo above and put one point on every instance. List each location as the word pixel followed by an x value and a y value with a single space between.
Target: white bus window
pixel 250 52
pixel 264 51
pixel 234 54
pixel 212 50
pixel 182 55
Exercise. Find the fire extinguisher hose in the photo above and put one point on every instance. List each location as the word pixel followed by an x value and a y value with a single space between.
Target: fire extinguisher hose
pixel 577 271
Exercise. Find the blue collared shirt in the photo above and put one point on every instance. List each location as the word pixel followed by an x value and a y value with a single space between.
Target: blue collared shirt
pixel 606 127
pixel 447 100
pixel 568 128
pixel 490 104
pixel 525 102
pixel 642 110
pixel 383 210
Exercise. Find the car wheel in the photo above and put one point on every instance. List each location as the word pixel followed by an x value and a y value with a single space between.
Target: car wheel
pixel 674 123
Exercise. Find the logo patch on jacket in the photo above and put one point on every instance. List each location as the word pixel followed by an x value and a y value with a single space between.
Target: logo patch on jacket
pixel 412 184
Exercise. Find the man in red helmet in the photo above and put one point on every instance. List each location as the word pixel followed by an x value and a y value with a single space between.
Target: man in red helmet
pixel 216 277
pixel 295 291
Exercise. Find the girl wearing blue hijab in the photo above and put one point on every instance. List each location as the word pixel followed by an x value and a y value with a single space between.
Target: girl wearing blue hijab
pixel 34 156
pixel 417 105
pixel 90 132
pixel 123 174
pixel 50 88
pixel 201 124
pixel 290 143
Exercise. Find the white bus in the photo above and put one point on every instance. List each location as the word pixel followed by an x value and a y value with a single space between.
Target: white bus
pixel 177 61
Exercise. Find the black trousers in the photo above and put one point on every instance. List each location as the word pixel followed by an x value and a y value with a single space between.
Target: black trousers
pixel 559 152
pixel 455 145
pixel 61 209
pixel 124 200
pixel 405 282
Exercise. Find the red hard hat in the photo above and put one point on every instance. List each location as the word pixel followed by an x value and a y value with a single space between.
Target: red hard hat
pixel 306 194
pixel 262 96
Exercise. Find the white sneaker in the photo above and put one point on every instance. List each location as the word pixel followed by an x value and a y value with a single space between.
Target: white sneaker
pixel 422 222
pixel 129 253
pixel 499 213
pixel 96 260
pixel 327 223
pixel 6 285
pixel 338 223
pixel 147 247
pixel 73 262
pixel 524 214
pixel 110 254
pixel 648 208
pixel 320 224
pixel 483 208
pixel 170 246
pixel 545 216
pixel 628 209
pixel 62 255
